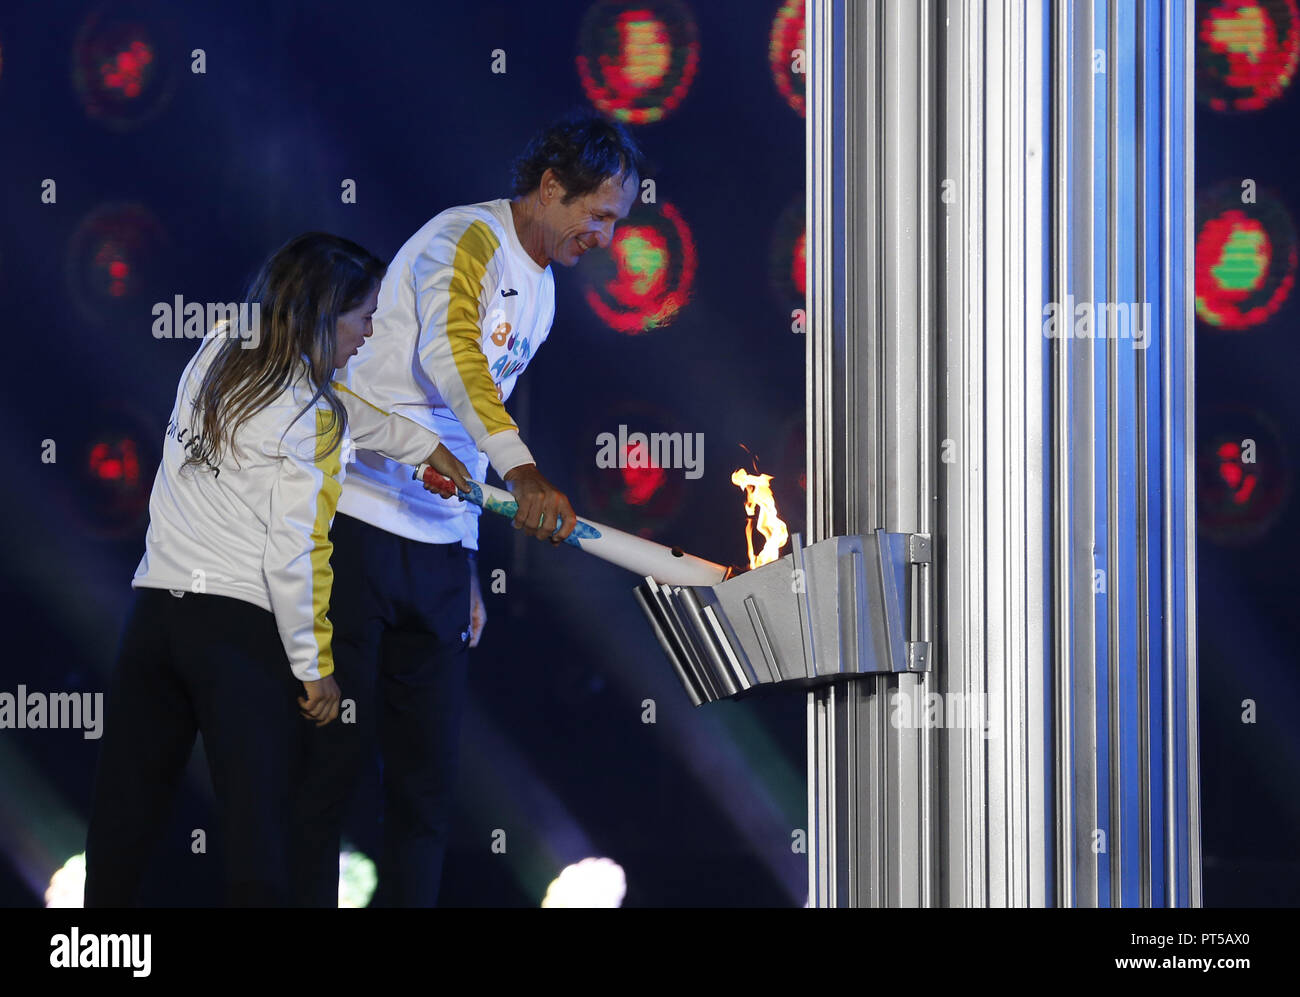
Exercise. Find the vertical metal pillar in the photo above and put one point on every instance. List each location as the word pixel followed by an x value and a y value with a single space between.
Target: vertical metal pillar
pixel 870 393
pixel 975 168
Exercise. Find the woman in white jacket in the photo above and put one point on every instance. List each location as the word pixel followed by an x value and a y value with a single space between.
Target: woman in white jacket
pixel 228 635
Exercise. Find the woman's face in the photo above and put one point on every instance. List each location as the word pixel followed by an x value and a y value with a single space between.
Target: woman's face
pixel 353 328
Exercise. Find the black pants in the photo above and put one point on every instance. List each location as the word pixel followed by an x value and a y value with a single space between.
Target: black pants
pixel 191 664
pixel 400 610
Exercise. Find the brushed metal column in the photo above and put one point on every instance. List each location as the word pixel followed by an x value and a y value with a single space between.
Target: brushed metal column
pixel 872 196
pixel 969 163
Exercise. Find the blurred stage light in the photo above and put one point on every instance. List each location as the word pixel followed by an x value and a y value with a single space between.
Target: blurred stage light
pixel 116 462
pixel 1242 475
pixel 67 887
pixel 640 499
pixel 123 64
pixel 589 883
pixel 114 493
pixel 1246 52
pixel 788 36
pixel 640 483
pixel 787 259
pixel 113 258
pixel 636 61
pixel 357 879
pixel 116 457
pixel 798 263
pixel 1245 257
pixel 648 274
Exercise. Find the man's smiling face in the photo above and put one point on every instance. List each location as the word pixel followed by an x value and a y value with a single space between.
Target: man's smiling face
pixel 587 221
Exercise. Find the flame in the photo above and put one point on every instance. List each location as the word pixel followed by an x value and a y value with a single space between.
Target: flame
pixel 758 495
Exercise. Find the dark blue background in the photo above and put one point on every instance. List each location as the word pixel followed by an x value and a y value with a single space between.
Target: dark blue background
pixel 1247 624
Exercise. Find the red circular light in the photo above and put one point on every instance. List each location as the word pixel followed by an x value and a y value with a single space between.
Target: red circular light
pixel 1246 257
pixel 1247 52
pixel 120 64
pixel 116 461
pixel 636 61
pixel 640 499
pixel 647 276
pixel 1242 475
pixel 113 256
pixel 109 491
pixel 640 483
pixel 787 39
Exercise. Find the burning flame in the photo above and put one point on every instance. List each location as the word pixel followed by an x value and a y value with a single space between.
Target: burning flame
pixel 758 495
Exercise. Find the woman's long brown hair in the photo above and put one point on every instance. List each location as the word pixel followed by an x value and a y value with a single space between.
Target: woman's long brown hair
pixel 300 293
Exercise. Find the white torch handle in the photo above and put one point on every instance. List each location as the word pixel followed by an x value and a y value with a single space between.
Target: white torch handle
pixel 666 565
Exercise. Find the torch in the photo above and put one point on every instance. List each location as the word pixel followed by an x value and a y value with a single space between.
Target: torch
pixel 666 565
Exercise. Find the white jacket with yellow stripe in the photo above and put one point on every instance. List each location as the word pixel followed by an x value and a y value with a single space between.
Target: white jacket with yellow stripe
pixel 256 526
pixel 462 310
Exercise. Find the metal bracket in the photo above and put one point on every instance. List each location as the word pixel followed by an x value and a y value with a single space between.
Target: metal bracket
pixel 918 656
pixel 918 556
pixel 839 608
pixel 918 548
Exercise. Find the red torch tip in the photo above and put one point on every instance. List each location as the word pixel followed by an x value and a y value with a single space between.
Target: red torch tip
pixel 435 482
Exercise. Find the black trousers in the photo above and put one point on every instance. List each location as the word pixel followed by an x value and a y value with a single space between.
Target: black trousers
pixel 400 610
pixel 189 664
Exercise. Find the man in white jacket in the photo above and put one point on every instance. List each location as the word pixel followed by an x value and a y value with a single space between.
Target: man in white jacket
pixel 466 303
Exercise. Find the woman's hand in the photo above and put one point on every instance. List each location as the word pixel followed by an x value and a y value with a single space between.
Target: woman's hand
pixel 322 701
pixel 477 607
pixel 445 463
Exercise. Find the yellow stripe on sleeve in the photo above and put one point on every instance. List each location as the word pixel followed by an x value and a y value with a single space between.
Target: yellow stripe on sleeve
pixel 340 386
pixel 322 575
pixel 474 251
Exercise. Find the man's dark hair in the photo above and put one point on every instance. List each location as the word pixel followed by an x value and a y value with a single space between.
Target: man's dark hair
pixel 584 149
